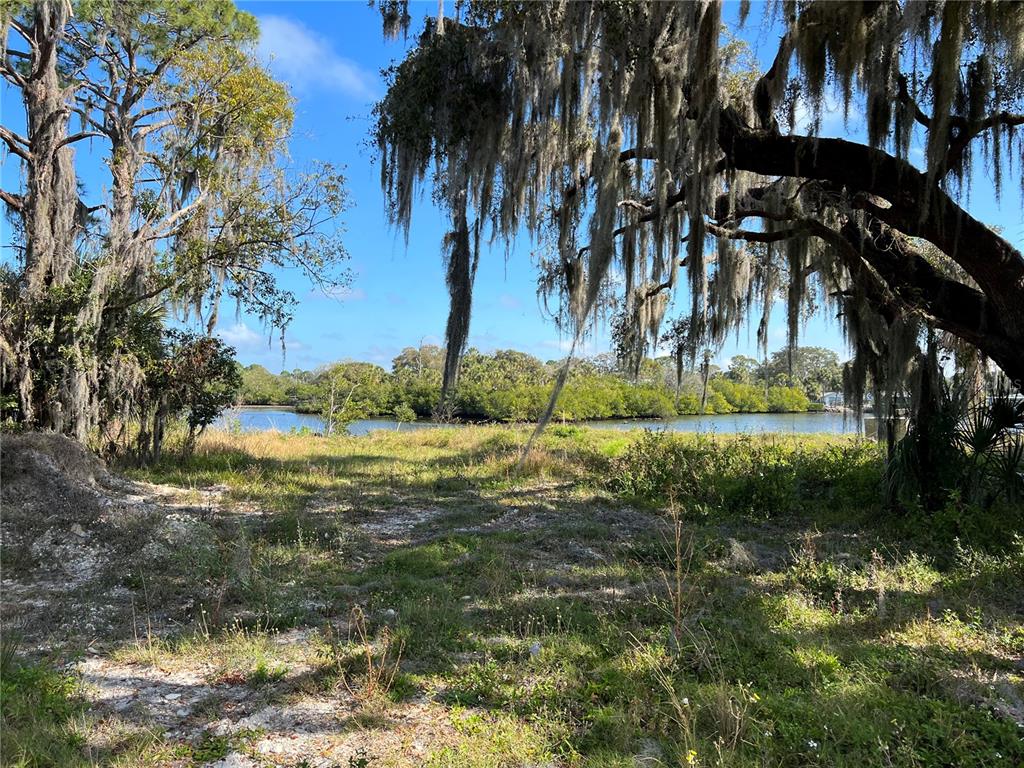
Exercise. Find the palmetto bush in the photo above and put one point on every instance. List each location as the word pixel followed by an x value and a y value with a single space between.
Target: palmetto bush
pixel 959 452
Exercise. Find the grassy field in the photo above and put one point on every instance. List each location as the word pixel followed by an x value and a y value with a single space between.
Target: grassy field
pixel 622 600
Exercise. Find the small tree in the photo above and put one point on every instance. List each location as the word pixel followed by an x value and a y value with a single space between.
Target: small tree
pixel 206 379
pixel 189 376
pixel 404 414
pixel 743 369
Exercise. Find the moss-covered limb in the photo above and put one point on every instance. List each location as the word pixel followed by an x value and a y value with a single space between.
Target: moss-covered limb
pixel 950 304
pixel 989 259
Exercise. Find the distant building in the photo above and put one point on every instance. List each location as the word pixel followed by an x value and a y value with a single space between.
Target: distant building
pixel 833 399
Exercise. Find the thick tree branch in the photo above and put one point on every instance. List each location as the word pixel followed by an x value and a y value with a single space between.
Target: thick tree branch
pixel 753 236
pixel 16 144
pixel 16 202
pixel 770 84
pixel 904 95
pixel 918 207
pixel 947 303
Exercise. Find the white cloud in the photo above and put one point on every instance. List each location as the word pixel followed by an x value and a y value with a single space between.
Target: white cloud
pixel 308 61
pixel 242 337
pixel 339 293
pixel 264 347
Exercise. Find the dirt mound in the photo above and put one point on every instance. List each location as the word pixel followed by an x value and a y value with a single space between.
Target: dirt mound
pixel 47 479
pixel 72 534
pixel 71 457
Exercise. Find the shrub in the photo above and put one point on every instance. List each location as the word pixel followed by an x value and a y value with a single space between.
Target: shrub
pixel 787 400
pixel 758 476
pixel 716 403
pixel 39 706
pixel 747 398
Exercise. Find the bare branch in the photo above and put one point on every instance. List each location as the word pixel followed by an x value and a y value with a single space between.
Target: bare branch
pixel 904 96
pixel 78 137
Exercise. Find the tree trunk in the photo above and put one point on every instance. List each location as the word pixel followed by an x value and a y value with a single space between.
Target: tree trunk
pixel 51 191
pixel 330 412
pixel 53 377
pixel 705 370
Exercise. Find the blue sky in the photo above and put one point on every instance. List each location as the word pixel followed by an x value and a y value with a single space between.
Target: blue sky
pixel 330 54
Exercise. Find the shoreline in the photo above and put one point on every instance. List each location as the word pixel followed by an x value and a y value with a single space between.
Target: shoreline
pixel 553 422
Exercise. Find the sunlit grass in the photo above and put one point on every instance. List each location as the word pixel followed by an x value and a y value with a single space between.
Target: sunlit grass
pixel 545 614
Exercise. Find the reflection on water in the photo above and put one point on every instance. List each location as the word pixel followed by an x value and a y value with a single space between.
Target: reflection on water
pixel 259 419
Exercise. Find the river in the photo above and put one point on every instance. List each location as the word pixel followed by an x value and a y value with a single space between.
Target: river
pixel 257 419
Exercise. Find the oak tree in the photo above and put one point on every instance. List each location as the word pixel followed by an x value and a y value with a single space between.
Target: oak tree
pixel 636 143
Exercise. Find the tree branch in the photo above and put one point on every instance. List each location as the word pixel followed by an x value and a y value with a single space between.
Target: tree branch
pixel 904 95
pixel 16 202
pixel 990 260
pixel 78 137
pixel 768 85
pixel 753 236
pixel 16 144
pixel 967 132
pixel 949 304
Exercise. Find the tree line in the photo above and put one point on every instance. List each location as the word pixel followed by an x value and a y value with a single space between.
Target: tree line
pixel 510 386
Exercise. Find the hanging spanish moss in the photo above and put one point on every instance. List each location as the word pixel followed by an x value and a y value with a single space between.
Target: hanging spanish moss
pixel 598 128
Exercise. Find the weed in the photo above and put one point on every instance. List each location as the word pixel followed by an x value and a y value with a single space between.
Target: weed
pixel 39 710
pixel 366 665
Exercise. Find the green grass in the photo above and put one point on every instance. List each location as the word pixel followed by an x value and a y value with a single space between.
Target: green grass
pixel 40 708
pixel 548 614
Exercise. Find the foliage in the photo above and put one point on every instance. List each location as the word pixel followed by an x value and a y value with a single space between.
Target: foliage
pixel 760 477
pixel 786 399
pixel 507 386
pixel 816 369
pixel 350 391
pixel 403 413
pixel 188 376
pixel 957 455
pixel 261 387
pixel 202 378
pixel 38 709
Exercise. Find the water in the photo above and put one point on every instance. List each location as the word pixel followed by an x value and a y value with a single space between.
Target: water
pixel 252 419
pixel 256 419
